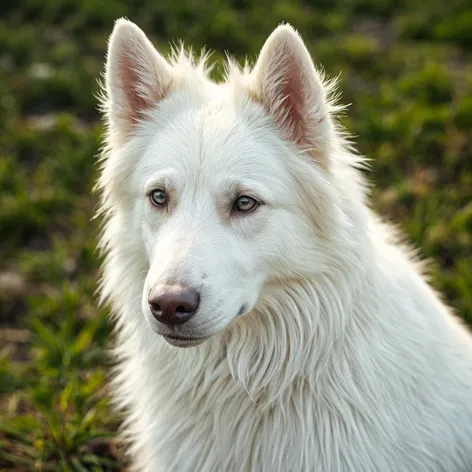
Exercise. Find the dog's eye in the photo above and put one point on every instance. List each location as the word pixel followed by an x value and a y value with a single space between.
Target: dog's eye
pixel 158 197
pixel 245 204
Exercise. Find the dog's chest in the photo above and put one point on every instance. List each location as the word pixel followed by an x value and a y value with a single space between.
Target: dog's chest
pixel 219 427
pixel 198 417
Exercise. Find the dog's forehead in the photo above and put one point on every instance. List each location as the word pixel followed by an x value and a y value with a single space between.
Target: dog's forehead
pixel 218 138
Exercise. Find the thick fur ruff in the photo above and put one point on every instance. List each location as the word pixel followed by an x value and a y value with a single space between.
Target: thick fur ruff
pixel 345 360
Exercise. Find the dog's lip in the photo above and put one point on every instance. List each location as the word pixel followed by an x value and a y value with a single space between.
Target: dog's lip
pixel 183 341
pixel 185 338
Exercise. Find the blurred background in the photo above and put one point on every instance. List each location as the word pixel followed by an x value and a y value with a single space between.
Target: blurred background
pixel 406 70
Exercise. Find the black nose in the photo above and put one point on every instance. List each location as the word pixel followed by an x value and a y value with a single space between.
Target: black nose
pixel 173 304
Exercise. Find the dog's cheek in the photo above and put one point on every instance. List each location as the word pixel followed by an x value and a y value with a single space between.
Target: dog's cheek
pixel 151 224
pixel 290 237
pixel 148 233
pixel 250 228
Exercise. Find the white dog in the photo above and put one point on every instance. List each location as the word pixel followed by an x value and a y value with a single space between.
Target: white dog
pixel 237 225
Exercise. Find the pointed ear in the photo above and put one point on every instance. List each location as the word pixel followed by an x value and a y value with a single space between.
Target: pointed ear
pixel 137 76
pixel 286 83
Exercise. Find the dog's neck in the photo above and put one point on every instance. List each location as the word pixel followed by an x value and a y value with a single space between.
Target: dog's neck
pixel 309 321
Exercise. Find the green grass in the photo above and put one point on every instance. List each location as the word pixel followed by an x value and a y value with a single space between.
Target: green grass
pixel 406 70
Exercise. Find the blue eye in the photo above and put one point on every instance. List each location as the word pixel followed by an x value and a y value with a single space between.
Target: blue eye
pixel 158 198
pixel 245 204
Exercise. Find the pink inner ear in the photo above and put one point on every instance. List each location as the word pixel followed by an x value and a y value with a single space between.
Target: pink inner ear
pixel 292 115
pixel 130 81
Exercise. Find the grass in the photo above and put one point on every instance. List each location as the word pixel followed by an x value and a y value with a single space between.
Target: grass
pixel 406 70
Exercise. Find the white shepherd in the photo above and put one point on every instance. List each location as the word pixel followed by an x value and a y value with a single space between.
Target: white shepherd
pixel 237 226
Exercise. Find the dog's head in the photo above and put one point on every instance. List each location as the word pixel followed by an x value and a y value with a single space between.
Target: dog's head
pixel 227 187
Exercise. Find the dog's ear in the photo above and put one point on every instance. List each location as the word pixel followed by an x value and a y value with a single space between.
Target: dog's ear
pixel 286 83
pixel 137 76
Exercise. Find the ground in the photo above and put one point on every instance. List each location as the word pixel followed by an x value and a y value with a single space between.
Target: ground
pixel 406 70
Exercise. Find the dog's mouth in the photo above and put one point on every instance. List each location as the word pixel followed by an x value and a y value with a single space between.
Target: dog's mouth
pixel 183 341
pixel 191 341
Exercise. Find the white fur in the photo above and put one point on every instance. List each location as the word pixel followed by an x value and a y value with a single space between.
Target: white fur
pixel 345 360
